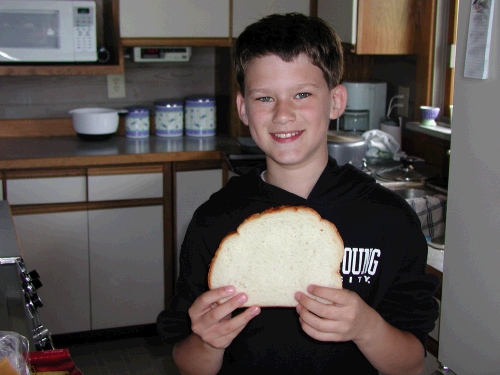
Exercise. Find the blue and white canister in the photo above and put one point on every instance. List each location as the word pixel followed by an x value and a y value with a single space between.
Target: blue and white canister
pixel 137 122
pixel 200 117
pixel 169 118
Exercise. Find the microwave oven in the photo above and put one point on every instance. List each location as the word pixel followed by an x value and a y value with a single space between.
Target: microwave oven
pixel 48 31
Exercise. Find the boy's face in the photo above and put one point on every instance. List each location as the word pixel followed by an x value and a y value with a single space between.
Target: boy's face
pixel 288 107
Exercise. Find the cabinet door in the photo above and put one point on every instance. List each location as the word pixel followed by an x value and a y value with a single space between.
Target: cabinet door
pixel 46 190
pixel 174 19
pixel 342 15
pixel 386 27
pixel 126 266
pixel 374 27
pixel 192 189
pixel 56 245
pixel 125 186
pixel 246 12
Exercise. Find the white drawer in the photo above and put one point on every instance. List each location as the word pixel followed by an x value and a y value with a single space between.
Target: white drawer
pixel 47 190
pixel 125 186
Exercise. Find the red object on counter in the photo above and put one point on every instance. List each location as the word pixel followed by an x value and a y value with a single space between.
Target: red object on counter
pixel 53 360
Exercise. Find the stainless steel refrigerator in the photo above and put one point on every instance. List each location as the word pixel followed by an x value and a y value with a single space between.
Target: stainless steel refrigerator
pixel 469 337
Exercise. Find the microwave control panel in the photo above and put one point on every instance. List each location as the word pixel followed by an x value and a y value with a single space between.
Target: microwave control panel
pixel 84 28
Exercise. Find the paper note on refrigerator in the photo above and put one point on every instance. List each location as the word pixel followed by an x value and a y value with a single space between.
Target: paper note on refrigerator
pixel 479 38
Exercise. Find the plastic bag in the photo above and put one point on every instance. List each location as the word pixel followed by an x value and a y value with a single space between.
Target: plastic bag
pixel 14 350
pixel 380 144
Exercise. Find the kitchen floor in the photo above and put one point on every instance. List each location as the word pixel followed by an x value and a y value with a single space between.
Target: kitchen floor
pixel 137 356
pixel 143 356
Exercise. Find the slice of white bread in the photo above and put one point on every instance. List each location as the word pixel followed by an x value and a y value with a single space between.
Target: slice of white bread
pixel 274 254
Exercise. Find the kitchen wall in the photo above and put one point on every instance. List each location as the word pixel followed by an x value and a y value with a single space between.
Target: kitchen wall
pixel 207 73
pixel 54 96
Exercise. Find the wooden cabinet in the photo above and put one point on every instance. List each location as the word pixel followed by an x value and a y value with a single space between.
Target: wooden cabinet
pixel 103 237
pixel 126 247
pixel 124 186
pixel 173 19
pixel 373 27
pixel 56 245
pixel 101 267
pixel 126 266
pixel 46 190
pixel 193 187
pixel 246 12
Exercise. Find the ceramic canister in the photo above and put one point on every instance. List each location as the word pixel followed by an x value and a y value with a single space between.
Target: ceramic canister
pixel 169 118
pixel 137 122
pixel 199 117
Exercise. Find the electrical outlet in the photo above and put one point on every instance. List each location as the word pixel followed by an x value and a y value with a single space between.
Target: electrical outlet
pixel 404 110
pixel 116 86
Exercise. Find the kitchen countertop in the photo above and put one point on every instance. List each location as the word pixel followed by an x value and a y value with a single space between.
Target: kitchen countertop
pixel 71 151
pixel 438 131
pixel 435 258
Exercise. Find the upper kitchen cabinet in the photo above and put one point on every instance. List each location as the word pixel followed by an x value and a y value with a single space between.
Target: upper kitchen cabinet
pixel 108 45
pixel 174 22
pixel 246 12
pixel 372 27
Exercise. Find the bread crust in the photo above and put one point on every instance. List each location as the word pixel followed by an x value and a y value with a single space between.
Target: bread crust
pixel 280 210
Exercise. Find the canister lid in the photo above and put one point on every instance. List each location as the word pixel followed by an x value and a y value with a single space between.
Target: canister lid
pixel 138 110
pixel 200 101
pixel 169 104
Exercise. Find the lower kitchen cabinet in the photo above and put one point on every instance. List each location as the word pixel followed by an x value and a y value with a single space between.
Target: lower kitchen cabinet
pixel 99 269
pixel 102 238
pixel 126 266
pixel 56 245
pixel 192 189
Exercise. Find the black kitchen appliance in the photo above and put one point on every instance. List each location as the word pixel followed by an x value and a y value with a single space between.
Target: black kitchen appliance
pixel 19 302
pixel 248 156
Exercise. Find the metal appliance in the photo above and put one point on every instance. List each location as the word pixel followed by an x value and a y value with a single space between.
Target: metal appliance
pixel 366 103
pixel 19 302
pixel 246 157
pixel 347 148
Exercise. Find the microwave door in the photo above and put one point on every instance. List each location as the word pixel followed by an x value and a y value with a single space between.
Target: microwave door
pixel 43 31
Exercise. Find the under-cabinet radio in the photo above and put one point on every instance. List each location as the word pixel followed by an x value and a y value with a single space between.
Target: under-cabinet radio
pixel 161 54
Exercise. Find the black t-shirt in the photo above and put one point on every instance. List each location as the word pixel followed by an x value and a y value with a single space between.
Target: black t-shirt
pixel 384 262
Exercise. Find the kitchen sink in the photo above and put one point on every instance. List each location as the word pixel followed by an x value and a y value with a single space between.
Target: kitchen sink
pixel 429 202
pixel 410 193
pixel 410 190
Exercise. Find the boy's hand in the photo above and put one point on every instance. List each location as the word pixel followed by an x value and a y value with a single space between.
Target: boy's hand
pixel 344 320
pixel 213 323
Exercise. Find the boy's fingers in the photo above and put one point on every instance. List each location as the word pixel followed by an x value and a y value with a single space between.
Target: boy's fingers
pixel 212 298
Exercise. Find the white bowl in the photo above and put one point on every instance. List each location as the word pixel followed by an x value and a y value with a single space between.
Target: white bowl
pixel 95 123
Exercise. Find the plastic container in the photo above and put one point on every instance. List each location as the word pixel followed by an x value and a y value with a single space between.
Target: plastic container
pixel 356 121
pixel 137 122
pixel 169 118
pixel 199 117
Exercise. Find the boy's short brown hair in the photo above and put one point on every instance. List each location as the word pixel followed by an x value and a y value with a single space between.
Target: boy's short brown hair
pixel 287 36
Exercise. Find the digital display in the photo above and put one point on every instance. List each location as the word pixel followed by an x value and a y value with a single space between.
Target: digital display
pixel 159 54
pixel 83 10
pixel 150 52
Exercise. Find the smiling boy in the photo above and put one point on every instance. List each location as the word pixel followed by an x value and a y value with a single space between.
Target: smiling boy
pixel 289 69
pixel 288 107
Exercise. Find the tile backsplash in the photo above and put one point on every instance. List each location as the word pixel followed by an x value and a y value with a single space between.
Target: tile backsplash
pixel 52 97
